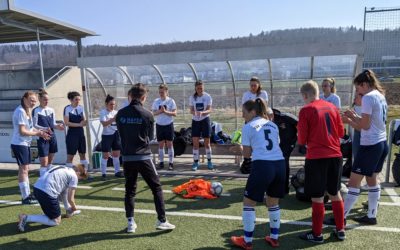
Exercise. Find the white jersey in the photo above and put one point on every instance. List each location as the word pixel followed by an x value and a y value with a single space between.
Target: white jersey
pixel 374 104
pixel 56 180
pixel 262 136
pixel 169 105
pixel 200 104
pixel 106 115
pixel 44 118
pixel 20 118
pixel 332 98
pixel 250 96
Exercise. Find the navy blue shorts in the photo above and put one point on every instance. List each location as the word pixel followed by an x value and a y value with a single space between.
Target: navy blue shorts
pixel 75 142
pixel 49 205
pixel 165 133
pixel 47 147
pixel 322 175
pixel 370 159
pixel 201 128
pixel 22 154
pixel 266 177
pixel 110 142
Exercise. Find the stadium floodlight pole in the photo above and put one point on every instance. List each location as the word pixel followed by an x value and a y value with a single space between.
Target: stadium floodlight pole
pixel 312 68
pixel 271 82
pixel 365 18
pixel 40 57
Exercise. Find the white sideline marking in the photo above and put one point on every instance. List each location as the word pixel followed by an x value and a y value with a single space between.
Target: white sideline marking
pixel 393 195
pixel 216 216
pixel 84 187
pixel 168 191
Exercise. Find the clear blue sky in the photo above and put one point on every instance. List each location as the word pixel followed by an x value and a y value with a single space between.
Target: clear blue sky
pixel 135 22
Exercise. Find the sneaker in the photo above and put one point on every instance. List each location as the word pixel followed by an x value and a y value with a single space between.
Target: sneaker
pixel 103 177
pixel 309 236
pixel 119 174
pixel 160 165
pixel 331 221
pixel 366 220
pixel 164 225
pixel 210 165
pixel 30 200
pixel 131 227
pixel 272 242
pixel 195 166
pixel 171 166
pixel 22 222
pixel 239 242
pixel 340 235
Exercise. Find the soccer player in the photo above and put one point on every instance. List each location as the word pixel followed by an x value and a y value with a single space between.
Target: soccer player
pixel 373 146
pixel 57 184
pixel 255 91
pixel 329 92
pixel 260 141
pixel 110 139
pixel 200 107
pixel 320 129
pixel 164 108
pixel 75 120
pixel 21 141
pixel 44 118
pixel 136 127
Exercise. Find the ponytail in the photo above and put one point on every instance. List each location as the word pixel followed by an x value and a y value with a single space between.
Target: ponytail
pixel 258 105
pixel 42 92
pixel 109 98
pixel 369 77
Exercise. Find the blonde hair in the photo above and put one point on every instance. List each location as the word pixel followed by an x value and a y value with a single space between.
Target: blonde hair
pixel 26 95
pixel 331 83
pixel 310 88
pixel 369 77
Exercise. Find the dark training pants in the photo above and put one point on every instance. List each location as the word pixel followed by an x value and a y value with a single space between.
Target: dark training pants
pixel 148 171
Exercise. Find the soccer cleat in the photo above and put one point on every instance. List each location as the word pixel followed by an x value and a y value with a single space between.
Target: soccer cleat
pixel 210 165
pixel 164 225
pixel 331 221
pixel 340 235
pixel 272 242
pixel 195 166
pixel 171 166
pixel 160 165
pixel 103 177
pixel 309 236
pixel 22 222
pixel 239 242
pixel 366 220
pixel 30 200
pixel 131 227
pixel 119 174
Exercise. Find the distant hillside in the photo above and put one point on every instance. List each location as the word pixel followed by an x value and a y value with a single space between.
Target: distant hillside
pixel 57 56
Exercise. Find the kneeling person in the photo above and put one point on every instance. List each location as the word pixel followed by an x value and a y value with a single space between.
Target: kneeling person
pixel 57 184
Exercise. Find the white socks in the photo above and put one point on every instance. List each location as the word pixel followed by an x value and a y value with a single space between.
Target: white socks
pixel 351 199
pixel 171 155
pixel 161 154
pixel 249 222
pixel 24 188
pixel 208 153
pixel 117 166
pixel 85 163
pixel 374 194
pixel 274 221
pixel 195 154
pixel 42 219
pixel 103 165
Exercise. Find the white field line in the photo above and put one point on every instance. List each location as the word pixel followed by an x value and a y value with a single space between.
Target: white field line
pixel 166 191
pixel 393 195
pixel 84 187
pixel 221 217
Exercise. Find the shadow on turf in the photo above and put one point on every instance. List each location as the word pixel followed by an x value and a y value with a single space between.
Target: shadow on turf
pixel 68 241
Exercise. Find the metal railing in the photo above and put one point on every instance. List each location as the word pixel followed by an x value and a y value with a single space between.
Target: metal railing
pixel 57 75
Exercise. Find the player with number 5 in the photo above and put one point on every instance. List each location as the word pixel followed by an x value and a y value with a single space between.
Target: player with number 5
pixel 260 141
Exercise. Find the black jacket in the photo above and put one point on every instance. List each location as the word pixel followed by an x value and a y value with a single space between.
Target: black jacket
pixel 136 128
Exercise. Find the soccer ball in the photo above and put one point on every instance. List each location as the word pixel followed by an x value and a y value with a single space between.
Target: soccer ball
pixel 216 188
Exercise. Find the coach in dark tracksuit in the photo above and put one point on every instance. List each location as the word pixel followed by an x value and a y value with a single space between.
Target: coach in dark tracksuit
pixel 136 127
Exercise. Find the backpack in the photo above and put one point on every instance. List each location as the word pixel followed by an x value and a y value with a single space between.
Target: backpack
pixel 396 137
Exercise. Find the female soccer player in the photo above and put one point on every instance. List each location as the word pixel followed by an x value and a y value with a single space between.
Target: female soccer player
pixel 21 141
pixel 329 92
pixel 44 118
pixel 255 91
pixel 200 108
pixel 110 139
pixel 75 120
pixel 164 108
pixel 373 146
pixel 260 141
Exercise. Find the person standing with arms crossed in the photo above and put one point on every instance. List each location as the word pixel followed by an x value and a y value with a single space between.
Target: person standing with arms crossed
pixel 320 127
pixel 136 127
